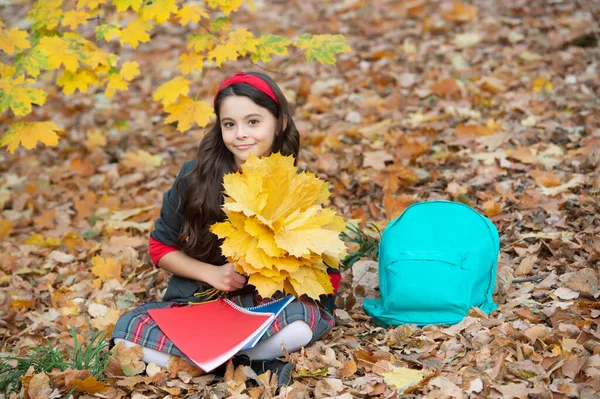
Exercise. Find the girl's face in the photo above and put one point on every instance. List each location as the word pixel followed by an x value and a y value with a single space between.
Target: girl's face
pixel 247 128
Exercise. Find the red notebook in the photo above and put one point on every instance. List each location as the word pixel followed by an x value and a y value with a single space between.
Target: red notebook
pixel 210 333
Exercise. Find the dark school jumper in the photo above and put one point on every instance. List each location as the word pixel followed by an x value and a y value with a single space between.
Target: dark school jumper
pixel 137 326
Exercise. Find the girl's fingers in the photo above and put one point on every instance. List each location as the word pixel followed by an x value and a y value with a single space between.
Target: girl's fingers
pixel 238 278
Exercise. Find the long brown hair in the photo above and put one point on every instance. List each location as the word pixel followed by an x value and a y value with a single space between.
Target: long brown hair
pixel 204 194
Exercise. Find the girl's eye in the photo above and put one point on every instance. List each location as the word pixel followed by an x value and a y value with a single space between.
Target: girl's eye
pixel 253 121
pixel 228 124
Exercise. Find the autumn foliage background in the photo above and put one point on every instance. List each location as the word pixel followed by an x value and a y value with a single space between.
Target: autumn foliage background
pixel 494 104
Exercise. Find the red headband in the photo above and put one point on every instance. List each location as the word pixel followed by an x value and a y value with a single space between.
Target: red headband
pixel 252 80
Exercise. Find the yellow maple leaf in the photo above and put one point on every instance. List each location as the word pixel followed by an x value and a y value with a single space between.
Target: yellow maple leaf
pixel 45 14
pixel 242 40
pixel 277 229
pixel 12 40
pixel 28 134
pixel 540 84
pixel 268 285
pixel 287 190
pixel 135 32
pixel 95 138
pixel 123 5
pixel 5 229
pixel 159 10
pixel 115 83
pixel 105 268
pixel 187 111
pixel 33 61
pixel 305 282
pixel 108 31
pixel 91 4
pixel 142 160
pixel 322 47
pixel 100 61
pixel 6 70
pixel 15 93
pixel 170 91
pixel 229 5
pixel 58 53
pixel 267 45
pixel 190 61
pixel 81 80
pixel 129 70
pixel 223 52
pixel 191 13
pixel 74 18
pixel 401 378
pixel 201 41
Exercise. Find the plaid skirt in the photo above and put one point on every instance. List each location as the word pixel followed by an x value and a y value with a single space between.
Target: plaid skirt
pixel 137 326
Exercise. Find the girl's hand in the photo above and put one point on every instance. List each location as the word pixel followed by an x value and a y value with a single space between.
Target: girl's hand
pixel 225 278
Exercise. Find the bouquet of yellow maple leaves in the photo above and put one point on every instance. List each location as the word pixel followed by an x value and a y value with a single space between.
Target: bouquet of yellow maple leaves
pixel 278 231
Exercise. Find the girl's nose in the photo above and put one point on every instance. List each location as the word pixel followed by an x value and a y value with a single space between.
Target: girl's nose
pixel 241 133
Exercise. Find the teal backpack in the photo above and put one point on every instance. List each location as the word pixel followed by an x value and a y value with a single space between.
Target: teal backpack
pixel 436 261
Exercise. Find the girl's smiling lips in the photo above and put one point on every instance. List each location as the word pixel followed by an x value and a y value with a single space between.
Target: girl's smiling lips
pixel 243 146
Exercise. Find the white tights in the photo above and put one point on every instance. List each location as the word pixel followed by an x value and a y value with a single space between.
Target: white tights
pixel 292 337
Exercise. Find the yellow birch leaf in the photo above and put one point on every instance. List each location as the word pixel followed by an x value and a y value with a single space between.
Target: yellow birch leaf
pixel 90 4
pixel 12 40
pixel 201 41
pixel 45 14
pixel 169 91
pixel 74 18
pixel 187 111
pixel 58 53
pixel 159 10
pixel 123 5
pixel 135 32
pixel 401 378
pixel 81 80
pixel 142 160
pixel 191 13
pixel 28 134
pixel 190 61
pixel 129 70
pixel 105 268
pixel 115 82
pixel 15 94
pixel 222 53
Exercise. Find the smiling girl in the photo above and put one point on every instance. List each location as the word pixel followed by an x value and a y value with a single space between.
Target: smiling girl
pixel 252 117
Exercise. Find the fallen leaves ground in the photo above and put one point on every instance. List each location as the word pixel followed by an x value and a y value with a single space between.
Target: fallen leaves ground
pixel 495 105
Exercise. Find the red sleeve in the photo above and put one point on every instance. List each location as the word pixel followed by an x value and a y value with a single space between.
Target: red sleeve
pixel 157 250
pixel 335 281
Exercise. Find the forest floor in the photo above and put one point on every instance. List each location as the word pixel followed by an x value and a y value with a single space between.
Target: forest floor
pixel 496 106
